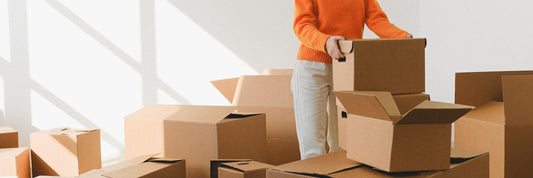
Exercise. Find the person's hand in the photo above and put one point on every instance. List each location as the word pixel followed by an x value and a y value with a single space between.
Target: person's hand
pixel 409 36
pixel 332 47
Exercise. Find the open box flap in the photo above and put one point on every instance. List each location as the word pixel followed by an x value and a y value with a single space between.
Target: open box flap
pixel 226 87
pixel 373 104
pixel 518 99
pixel 247 165
pixel 431 112
pixel 320 165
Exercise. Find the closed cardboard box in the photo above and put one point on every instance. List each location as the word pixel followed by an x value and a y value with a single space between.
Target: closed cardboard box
pixel 465 164
pixel 379 135
pixel 196 133
pixel 501 123
pixel 238 169
pixel 15 162
pixel 145 166
pixel 404 101
pixel 8 138
pixel 270 94
pixel 65 151
pixel 395 65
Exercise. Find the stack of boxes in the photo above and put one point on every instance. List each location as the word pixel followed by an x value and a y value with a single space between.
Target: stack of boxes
pixel 14 161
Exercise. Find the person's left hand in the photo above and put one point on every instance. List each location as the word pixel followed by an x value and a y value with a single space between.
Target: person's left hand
pixel 409 36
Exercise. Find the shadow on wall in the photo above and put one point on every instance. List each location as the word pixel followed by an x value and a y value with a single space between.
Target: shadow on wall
pixel 258 32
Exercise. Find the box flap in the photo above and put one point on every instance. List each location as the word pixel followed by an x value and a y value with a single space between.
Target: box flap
pixel 431 112
pixel 490 112
pixel 11 152
pixel 226 87
pixel 247 165
pixel 215 163
pixel 378 105
pixel 464 154
pixel 7 130
pixel 69 131
pixel 277 72
pixel 164 160
pixel 264 90
pixel 320 165
pixel 187 113
pixel 518 99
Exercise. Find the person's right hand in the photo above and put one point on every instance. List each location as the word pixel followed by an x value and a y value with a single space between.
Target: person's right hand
pixel 332 47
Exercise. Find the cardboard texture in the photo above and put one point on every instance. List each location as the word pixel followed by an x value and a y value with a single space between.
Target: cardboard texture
pixel 270 94
pixel 395 65
pixel 277 72
pixel 215 163
pixel 404 101
pixel 65 151
pixel 196 133
pixel 15 162
pixel 379 135
pixel 336 165
pixel 144 166
pixel 241 169
pixel 501 124
pixel 8 138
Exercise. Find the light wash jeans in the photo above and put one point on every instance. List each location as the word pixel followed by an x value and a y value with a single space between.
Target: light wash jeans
pixel 312 88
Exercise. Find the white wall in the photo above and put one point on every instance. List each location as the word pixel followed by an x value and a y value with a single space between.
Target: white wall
pixel 89 63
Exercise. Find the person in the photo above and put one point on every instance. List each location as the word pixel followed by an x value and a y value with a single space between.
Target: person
pixel 319 25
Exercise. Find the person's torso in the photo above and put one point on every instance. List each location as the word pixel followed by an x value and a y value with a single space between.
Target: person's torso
pixel 340 17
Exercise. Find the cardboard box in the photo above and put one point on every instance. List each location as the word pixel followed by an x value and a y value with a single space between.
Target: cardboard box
pixel 395 65
pixel 145 166
pixel 270 94
pixel 65 151
pixel 9 138
pixel 15 162
pixel 196 133
pixel 405 102
pixel 277 72
pixel 238 168
pixel 380 136
pixel 336 165
pixel 501 123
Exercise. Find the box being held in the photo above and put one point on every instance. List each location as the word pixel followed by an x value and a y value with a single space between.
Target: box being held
pixel 8 137
pixel 65 151
pixel 15 162
pixel 379 135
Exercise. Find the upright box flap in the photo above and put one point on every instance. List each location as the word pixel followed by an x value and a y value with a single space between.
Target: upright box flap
pixel 226 87
pixel 478 88
pixel 247 165
pixel 187 113
pixel 431 112
pixel 264 90
pixel 378 105
pixel 491 112
pixel 518 99
pixel 320 165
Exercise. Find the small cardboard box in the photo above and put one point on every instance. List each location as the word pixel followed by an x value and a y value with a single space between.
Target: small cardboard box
pixel 145 166
pixel 65 151
pixel 277 72
pixel 404 101
pixel 336 165
pixel 270 94
pixel 501 124
pixel 395 65
pixel 15 162
pixel 238 169
pixel 8 138
pixel 379 135
pixel 196 133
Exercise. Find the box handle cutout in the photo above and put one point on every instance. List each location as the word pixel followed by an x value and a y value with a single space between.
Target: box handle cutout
pixel 342 59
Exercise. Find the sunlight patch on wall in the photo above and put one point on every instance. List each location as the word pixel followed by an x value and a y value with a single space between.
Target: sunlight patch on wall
pixel 4 32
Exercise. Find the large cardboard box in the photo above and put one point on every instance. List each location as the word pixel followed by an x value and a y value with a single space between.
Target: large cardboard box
pixel 65 151
pixel 404 101
pixel 465 164
pixel 379 135
pixel 145 166
pixel 8 138
pixel 15 162
pixel 395 65
pixel 270 94
pixel 238 169
pixel 501 123
pixel 196 133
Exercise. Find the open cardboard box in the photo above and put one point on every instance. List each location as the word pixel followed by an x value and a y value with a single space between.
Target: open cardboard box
pixel 15 162
pixel 270 94
pixel 395 65
pixel 195 133
pixel 145 166
pixel 238 169
pixel 8 137
pixel 502 123
pixel 404 101
pixel 65 151
pixel 336 165
pixel 379 135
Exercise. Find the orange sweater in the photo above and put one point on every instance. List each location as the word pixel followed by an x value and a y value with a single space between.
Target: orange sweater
pixel 316 20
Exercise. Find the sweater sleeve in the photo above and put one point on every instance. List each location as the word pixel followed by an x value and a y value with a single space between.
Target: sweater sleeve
pixel 305 26
pixel 378 22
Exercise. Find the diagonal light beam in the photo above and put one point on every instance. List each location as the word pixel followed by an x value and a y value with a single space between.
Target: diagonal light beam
pixel 172 93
